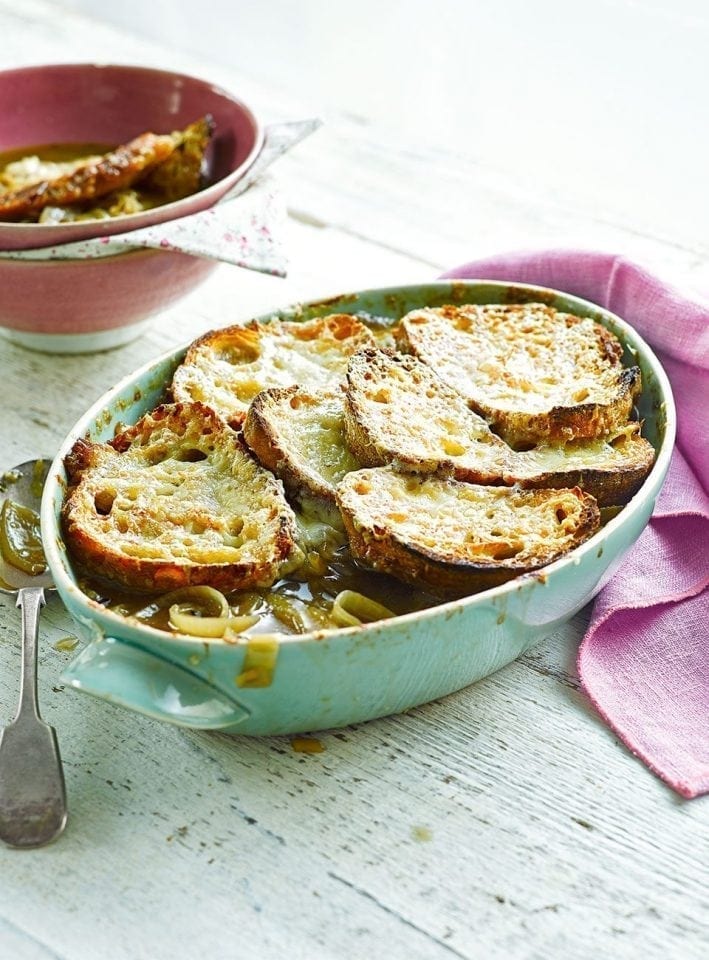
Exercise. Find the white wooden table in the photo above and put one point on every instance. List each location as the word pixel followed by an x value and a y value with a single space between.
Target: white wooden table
pixel 504 821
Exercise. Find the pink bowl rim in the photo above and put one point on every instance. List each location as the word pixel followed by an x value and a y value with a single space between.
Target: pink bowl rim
pixel 177 208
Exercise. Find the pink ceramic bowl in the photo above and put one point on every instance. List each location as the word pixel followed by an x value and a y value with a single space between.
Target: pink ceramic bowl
pixel 75 305
pixel 81 306
pixel 90 103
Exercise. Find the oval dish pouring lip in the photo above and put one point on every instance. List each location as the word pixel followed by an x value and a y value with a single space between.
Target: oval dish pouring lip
pixel 333 679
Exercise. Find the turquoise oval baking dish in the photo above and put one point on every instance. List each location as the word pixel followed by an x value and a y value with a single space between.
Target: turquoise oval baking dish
pixel 332 679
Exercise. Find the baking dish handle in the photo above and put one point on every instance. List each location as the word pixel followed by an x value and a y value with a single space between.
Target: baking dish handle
pixel 131 677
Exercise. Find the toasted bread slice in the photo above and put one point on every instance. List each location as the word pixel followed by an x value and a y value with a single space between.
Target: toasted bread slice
pixel 398 410
pixel 176 500
pixel 113 171
pixel 536 374
pixel 227 368
pixel 458 537
pixel 300 437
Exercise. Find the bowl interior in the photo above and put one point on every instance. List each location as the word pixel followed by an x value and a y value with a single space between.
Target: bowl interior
pixel 90 103
pixel 142 391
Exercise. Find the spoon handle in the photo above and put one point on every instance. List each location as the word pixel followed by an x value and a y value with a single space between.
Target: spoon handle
pixel 30 600
pixel 32 795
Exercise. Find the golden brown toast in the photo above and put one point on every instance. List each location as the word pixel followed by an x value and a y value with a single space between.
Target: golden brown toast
pixel 458 538
pixel 227 368
pixel 299 435
pixel 113 171
pixel 174 501
pixel 536 374
pixel 399 411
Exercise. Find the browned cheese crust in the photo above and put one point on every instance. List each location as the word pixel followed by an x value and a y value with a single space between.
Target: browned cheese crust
pixel 114 171
pixel 397 410
pixel 174 501
pixel 536 374
pixel 458 538
pixel 227 368
pixel 299 435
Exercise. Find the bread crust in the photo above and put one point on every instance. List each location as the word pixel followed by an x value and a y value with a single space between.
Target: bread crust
pixel 176 500
pixel 537 375
pixel 228 368
pixel 393 525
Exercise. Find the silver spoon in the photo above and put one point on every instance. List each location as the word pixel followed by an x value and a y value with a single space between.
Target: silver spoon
pixel 32 795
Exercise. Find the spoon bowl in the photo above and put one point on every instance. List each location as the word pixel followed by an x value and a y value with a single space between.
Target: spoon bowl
pixel 23 486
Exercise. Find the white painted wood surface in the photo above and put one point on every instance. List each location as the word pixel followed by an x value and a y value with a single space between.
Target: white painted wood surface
pixel 504 821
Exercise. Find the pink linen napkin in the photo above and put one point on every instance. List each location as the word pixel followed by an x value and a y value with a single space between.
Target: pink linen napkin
pixel 644 661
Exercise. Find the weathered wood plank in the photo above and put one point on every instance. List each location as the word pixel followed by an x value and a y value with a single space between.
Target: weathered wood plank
pixel 499 816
